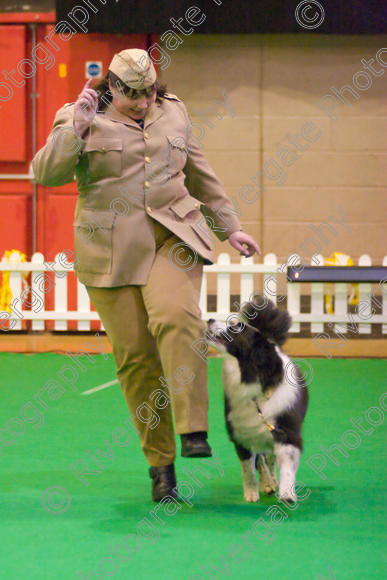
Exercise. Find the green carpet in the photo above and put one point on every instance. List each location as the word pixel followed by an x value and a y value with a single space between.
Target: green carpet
pixel 336 532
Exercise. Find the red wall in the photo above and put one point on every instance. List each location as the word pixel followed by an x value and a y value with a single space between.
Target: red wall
pixel 14 195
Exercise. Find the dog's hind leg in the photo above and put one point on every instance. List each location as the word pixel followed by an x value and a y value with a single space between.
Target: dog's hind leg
pixel 250 483
pixel 288 458
pixel 265 464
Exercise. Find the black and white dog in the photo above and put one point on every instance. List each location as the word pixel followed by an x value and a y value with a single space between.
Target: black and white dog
pixel 265 397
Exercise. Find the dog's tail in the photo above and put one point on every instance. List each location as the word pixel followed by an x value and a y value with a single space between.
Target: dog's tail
pixel 267 319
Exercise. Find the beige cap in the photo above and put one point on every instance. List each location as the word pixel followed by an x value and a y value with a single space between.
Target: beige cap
pixel 134 67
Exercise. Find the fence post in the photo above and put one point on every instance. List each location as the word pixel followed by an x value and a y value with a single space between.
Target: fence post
pixel 203 296
pixel 384 300
pixel 270 260
pixel 294 303
pixel 38 258
pixel 364 291
pixel 223 288
pixel 247 281
pixel 60 297
pixel 341 305
pixel 83 305
pixel 317 298
pixel 15 284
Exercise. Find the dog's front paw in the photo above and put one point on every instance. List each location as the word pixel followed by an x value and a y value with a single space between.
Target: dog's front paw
pixel 268 488
pixel 288 497
pixel 265 464
pixel 251 494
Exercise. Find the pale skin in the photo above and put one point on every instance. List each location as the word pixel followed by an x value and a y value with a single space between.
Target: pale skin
pixel 84 110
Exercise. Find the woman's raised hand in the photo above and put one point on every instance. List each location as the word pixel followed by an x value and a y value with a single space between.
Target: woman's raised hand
pixel 85 108
pixel 244 243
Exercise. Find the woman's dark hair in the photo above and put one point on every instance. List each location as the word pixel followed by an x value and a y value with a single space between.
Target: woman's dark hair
pixel 105 96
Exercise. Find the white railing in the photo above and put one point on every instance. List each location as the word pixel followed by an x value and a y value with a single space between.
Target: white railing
pixel 39 312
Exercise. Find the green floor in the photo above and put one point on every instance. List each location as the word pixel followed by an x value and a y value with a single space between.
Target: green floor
pixel 337 532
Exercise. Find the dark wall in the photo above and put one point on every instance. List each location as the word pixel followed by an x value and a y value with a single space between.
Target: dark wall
pixel 231 16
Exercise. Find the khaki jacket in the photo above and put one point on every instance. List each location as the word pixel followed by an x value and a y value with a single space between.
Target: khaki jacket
pixel 126 175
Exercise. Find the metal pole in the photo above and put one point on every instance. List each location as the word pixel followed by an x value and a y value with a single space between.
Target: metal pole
pixel 34 97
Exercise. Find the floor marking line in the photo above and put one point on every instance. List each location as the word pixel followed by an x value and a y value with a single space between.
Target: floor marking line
pixel 100 387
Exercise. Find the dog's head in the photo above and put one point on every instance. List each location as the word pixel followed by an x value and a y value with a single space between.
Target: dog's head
pixel 259 319
pixel 253 338
pixel 233 338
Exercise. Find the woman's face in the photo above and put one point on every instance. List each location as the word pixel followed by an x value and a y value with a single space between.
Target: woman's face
pixel 136 105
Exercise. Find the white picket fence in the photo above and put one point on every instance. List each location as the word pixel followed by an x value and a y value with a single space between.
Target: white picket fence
pixel 223 269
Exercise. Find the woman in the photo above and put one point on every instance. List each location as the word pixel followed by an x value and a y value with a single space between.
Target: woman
pixel 140 245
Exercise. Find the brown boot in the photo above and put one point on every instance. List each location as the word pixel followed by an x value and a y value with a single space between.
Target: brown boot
pixel 164 480
pixel 195 445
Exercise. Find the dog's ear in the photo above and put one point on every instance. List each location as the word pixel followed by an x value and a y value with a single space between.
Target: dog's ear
pixel 268 319
pixel 280 326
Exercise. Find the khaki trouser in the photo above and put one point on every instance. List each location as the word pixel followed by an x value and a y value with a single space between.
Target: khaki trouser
pixel 151 329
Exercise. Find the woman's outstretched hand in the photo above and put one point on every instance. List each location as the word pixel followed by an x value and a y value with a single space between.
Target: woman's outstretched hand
pixel 85 108
pixel 239 241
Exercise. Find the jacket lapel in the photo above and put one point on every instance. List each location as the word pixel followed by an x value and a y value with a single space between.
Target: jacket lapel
pixel 154 113
pixel 119 117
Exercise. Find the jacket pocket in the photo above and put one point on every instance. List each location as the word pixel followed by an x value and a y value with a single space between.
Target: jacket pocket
pixel 177 152
pixel 187 210
pixel 93 241
pixel 184 206
pixel 204 233
pixel 104 158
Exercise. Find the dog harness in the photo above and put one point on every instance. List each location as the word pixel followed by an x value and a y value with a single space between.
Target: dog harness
pixel 279 433
pixel 269 426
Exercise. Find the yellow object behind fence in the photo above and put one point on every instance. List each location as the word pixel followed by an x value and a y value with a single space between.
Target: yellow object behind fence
pixel 12 257
pixel 339 259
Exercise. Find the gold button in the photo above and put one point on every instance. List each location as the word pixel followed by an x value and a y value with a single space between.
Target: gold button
pixel 147 184
pixel 147 159
pixel 149 209
pixel 103 150
pixel 197 205
pixel 146 135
